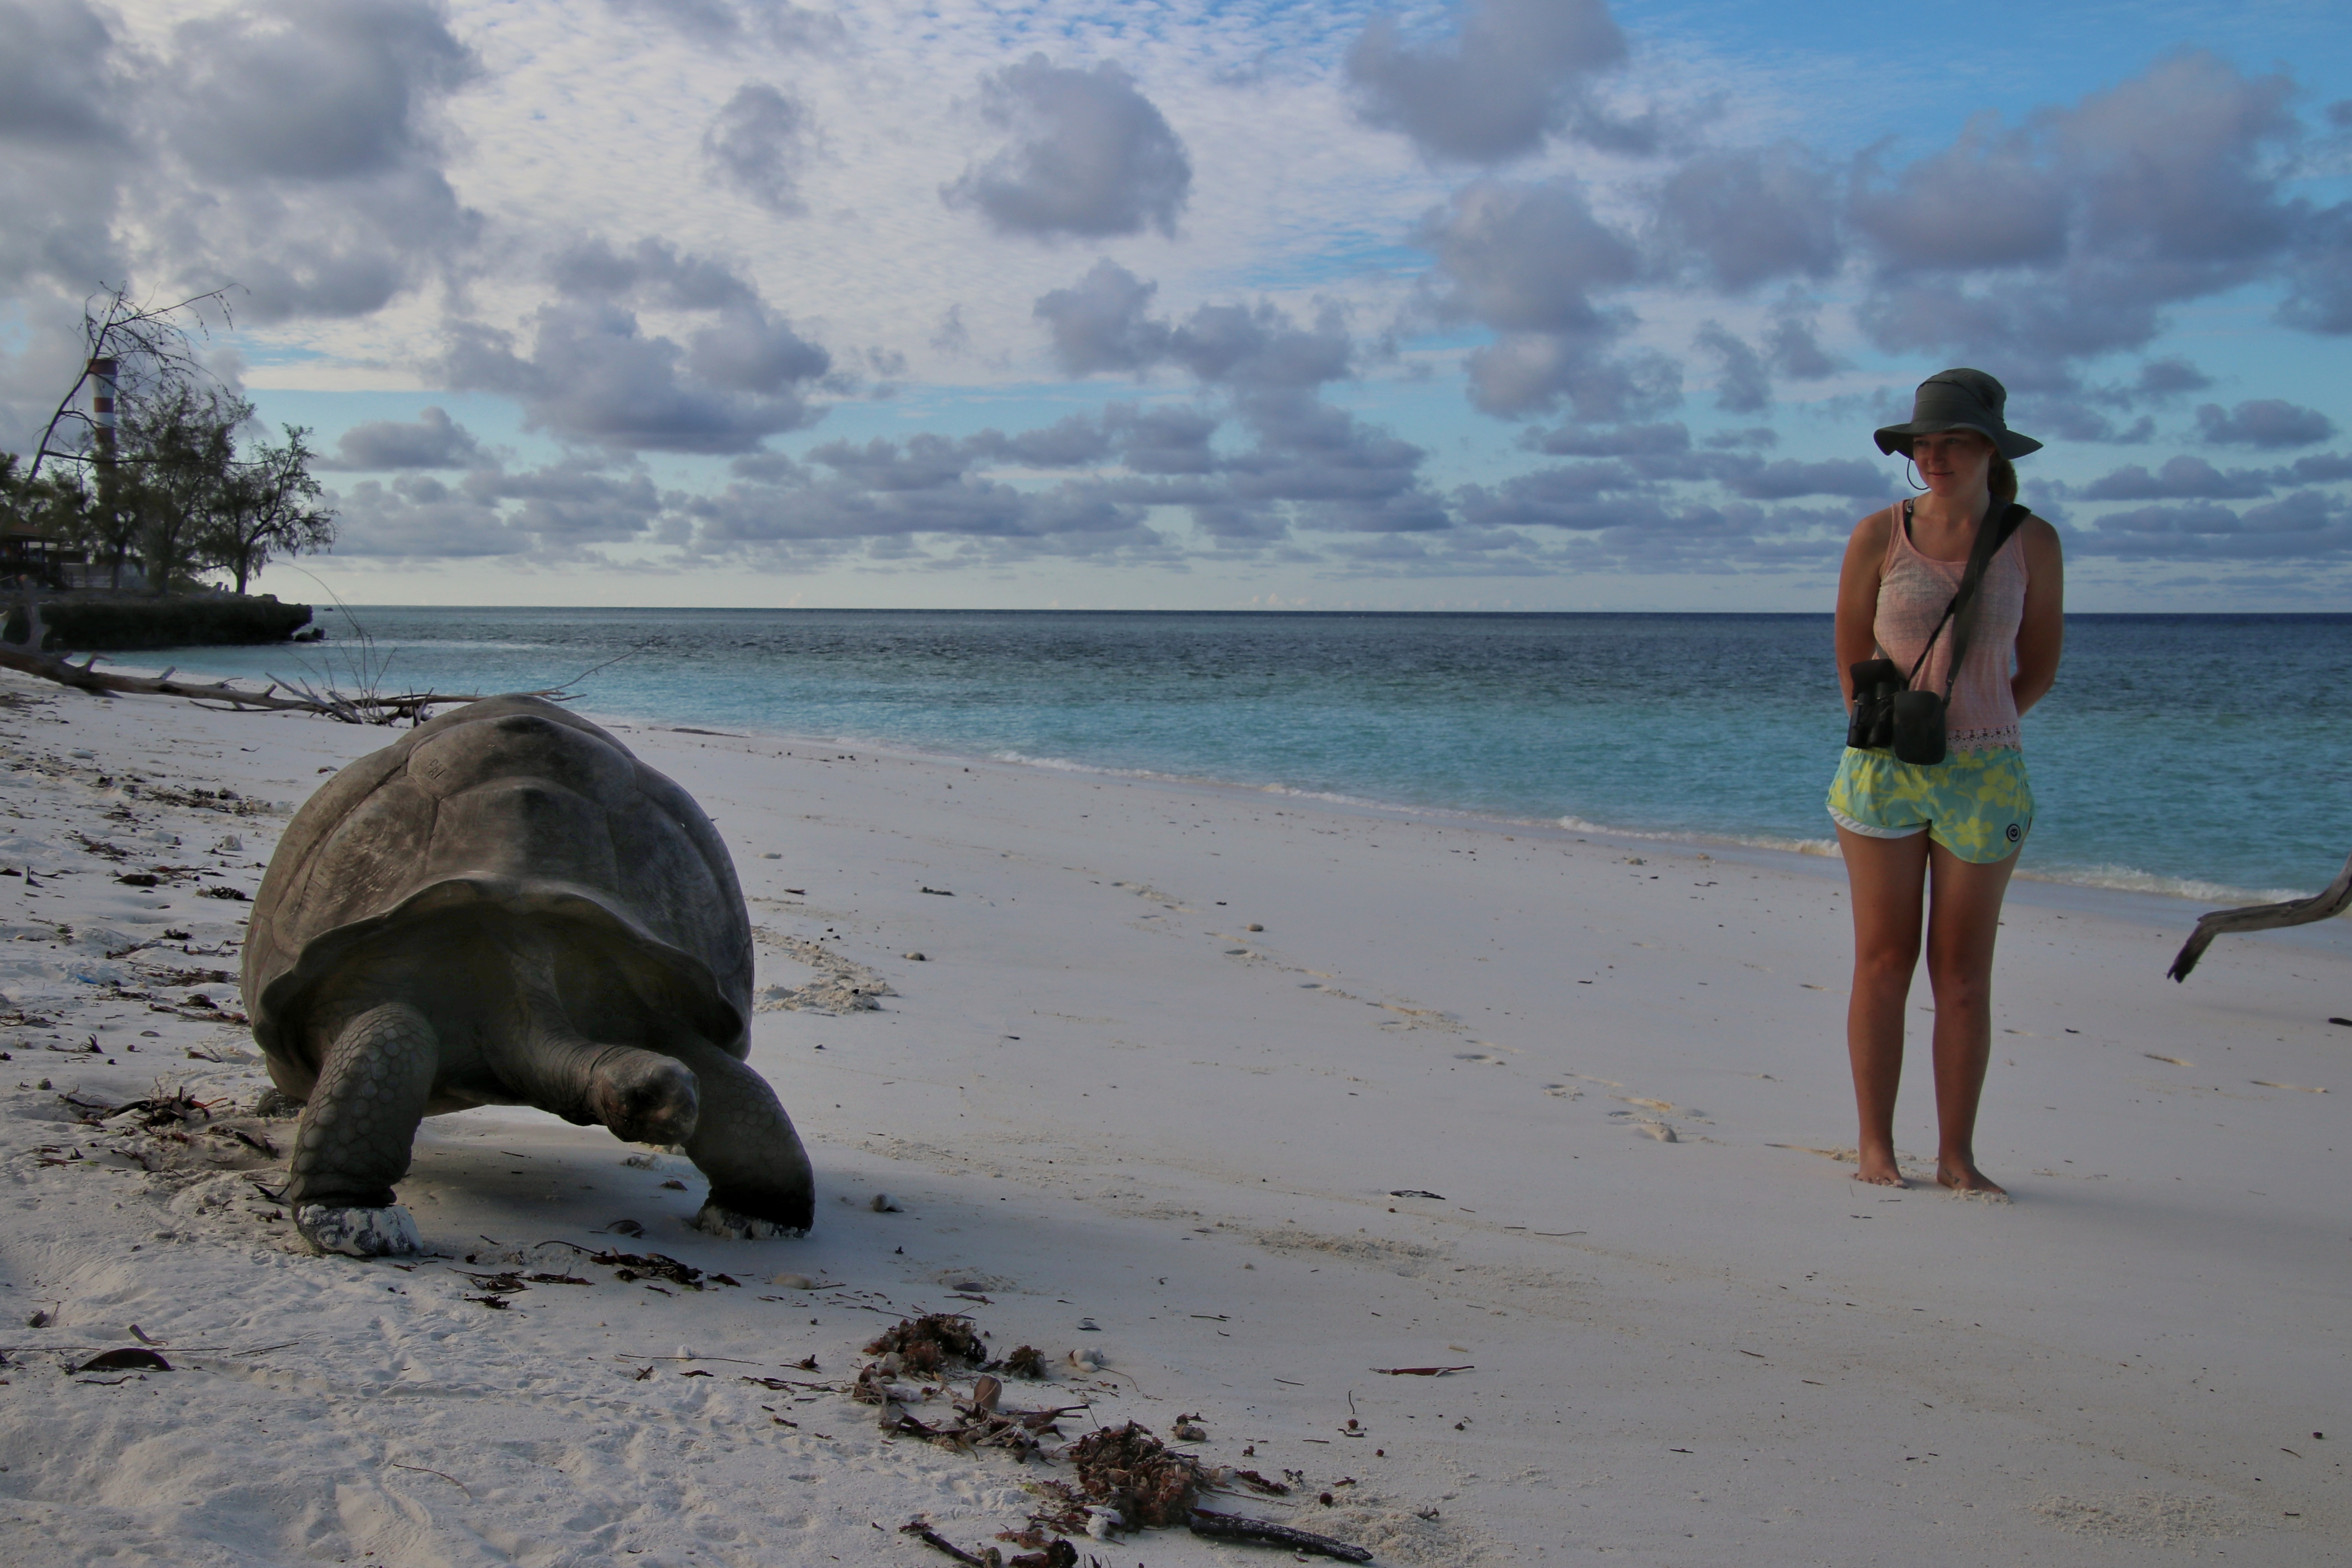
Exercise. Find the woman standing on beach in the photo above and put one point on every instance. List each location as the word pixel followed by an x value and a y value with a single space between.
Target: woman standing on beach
pixel 1948 834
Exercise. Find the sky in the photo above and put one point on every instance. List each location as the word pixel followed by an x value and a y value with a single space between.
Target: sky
pixel 1205 304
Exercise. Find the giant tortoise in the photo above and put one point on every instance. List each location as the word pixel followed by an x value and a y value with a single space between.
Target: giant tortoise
pixel 507 907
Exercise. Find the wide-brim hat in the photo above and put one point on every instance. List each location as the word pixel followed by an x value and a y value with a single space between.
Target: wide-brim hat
pixel 1958 400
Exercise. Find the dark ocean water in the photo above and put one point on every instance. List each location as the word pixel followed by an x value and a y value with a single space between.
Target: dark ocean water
pixel 2187 753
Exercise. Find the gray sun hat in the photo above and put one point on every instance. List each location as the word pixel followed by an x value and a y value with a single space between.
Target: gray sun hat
pixel 1958 400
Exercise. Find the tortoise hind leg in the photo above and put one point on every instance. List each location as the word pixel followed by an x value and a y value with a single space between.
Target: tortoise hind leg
pixel 760 1182
pixel 356 1133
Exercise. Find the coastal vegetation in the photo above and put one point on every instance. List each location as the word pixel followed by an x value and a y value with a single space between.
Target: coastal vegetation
pixel 162 471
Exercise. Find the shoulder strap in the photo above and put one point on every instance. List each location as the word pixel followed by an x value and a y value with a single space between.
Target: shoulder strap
pixel 1998 523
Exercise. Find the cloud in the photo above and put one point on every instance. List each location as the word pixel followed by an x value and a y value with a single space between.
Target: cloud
pixel 56 76
pixel 594 374
pixel 2067 236
pixel 1517 73
pixel 1087 155
pixel 1792 343
pixel 1098 323
pixel 2267 423
pixel 757 144
pixel 2305 526
pixel 715 23
pixel 1525 261
pixel 433 441
pixel 2319 277
pixel 1746 216
pixel 1101 323
pixel 308 153
pixel 314 90
pixel 1622 441
pixel 2182 479
pixel 1743 385
pixel 1785 479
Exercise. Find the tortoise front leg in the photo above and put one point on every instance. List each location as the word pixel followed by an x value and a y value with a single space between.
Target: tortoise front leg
pixel 760 1182
pixel 357 1131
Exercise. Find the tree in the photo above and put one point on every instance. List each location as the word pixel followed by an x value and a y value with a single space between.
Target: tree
pixel 268 507
pixel 175 469
pixel 147 346
pixel 54 507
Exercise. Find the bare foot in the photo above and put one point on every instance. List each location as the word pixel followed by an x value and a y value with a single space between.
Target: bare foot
pixel 1879 1170
pixel 1963 1178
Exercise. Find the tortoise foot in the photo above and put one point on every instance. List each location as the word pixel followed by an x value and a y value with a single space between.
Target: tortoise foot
pixel 733 1224
pixel 387 1232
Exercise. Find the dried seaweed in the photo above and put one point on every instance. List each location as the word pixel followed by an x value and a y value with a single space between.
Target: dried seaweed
pixel 1128 1471
pixel 923 1345
pixel 628 1266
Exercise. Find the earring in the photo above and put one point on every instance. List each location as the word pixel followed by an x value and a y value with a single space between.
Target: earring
pixel 1911 475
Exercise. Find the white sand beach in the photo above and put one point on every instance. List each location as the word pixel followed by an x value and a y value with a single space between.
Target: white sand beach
pixel 1597 1087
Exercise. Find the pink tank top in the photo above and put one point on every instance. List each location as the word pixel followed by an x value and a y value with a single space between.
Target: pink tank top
pixel 1912 592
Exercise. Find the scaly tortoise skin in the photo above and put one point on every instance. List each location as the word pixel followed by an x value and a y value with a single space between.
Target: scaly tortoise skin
pixel 507 907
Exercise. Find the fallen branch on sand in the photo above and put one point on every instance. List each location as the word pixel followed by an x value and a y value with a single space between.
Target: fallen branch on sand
pixel 366 708
pixel 2331 900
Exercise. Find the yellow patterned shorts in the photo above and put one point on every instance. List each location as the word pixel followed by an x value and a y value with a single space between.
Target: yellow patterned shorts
pixel 1977 804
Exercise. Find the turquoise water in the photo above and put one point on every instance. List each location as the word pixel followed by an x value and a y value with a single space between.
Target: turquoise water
pixel 2183 753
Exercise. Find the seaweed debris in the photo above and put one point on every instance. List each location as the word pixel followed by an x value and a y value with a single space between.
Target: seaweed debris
pixel 926 1344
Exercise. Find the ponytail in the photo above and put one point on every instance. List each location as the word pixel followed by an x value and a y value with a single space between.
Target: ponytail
pixel 2001 479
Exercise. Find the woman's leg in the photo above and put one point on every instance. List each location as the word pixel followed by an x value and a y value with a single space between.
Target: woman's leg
pixel 1963 919
pixel 1887 877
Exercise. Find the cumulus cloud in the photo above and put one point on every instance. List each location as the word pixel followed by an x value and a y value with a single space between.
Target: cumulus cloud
pixel 1743 217
pixel 756 144
pixel 56 76
pixel 433 440
pixel 2068 236
pixel 1086 155
pixel 311 133
pixel 2182 479
pixel 1099 322
pixel 2268 423
pixel 1525 261
pixel 2308 525
pixel 593 373
pixel 1743 385
pixel 1517 73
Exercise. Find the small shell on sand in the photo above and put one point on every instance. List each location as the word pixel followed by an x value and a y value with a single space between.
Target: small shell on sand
pixel 1661 1132
pixel 884 1204
pixel 1089 1360
pixel 1253 926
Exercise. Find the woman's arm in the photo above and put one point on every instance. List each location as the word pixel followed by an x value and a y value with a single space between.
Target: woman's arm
pixel 1857 600
pixel 2042 632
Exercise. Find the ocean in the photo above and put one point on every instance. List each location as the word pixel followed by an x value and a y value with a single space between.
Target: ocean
pixel 2209 756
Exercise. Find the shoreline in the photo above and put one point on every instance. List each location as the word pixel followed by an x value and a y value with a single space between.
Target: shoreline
pixel 2129 882
pixel 1180 1079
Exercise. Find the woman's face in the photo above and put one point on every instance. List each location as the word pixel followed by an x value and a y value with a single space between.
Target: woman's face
pixel 1953 462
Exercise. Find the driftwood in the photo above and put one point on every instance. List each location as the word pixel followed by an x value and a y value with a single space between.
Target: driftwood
pixel 2333 900
pixel 1265 1532
pixel 365 708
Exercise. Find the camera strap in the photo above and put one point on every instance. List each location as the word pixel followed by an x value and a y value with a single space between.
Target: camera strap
pixel 1992 533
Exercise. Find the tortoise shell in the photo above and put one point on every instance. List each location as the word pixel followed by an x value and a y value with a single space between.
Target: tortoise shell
pixel 507 805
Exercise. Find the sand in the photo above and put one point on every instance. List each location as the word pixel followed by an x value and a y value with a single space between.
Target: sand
pixel 1251 1095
